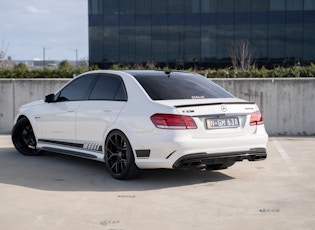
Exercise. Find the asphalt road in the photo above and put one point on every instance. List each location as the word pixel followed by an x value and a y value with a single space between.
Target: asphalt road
pixel 61 192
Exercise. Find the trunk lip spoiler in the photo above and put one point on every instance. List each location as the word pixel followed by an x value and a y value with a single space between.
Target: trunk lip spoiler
pixel 216 103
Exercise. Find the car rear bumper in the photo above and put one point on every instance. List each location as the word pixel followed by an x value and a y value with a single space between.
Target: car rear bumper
pixel 185 151
pixel 200 159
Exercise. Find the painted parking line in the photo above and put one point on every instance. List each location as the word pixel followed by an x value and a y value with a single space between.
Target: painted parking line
pixel 285 156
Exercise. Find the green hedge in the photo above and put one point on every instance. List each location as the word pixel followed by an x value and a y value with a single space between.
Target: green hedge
pixel 22 71
pixel 278 72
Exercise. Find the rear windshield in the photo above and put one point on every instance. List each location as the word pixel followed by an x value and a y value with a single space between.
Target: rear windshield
pixel 180 86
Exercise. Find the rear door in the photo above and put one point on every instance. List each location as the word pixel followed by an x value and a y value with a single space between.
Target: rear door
pixel 95 115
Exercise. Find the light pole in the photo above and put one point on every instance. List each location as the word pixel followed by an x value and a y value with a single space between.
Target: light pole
pixel 76 56
pixel 44 55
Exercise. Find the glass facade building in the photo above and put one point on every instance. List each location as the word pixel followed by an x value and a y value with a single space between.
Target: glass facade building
pixel 199 33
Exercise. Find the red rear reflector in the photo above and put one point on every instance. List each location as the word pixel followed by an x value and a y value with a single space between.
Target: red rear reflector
pixel 172 121
pixel 256 118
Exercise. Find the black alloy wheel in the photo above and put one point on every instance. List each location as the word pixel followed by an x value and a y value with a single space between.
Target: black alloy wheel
pixel 23 138
pixel 119 156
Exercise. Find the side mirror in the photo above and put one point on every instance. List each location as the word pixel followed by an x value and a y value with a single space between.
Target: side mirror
pixel 50 98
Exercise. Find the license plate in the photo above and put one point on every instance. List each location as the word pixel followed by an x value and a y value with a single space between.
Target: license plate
pixel 217 123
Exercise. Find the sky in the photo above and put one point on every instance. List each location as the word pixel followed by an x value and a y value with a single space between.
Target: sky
pixel 27 26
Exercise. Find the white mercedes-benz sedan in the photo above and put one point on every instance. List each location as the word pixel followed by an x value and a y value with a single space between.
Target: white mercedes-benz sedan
pixel 141 119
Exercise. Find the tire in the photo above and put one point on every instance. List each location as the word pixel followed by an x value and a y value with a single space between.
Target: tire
pixel 221 166
pixel 23 138
pixel 119 158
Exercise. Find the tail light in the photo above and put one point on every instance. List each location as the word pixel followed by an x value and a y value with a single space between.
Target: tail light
pixel 172 121
pixel 256 118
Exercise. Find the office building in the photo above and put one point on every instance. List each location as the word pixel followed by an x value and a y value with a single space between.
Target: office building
pixel 200 33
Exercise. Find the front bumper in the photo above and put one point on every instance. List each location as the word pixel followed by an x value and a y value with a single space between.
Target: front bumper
pixel 203 159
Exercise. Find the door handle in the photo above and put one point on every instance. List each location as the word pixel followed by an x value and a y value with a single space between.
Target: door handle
pixel 108 109
pixel 71 110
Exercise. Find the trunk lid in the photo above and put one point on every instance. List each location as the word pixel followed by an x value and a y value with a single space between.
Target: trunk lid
pixel 219 117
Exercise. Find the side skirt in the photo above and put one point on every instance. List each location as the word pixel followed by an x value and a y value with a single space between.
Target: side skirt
pixel 89 151
pixel 70 152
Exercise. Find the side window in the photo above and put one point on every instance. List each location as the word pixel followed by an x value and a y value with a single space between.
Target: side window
pixel 77 90
pixel 109 87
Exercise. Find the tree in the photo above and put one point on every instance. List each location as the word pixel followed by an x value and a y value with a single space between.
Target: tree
pixel 65 65
pixel 21 66
pixel 241 54
pixel 3 54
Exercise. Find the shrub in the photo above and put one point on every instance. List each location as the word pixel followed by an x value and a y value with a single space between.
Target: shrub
pixel 65 70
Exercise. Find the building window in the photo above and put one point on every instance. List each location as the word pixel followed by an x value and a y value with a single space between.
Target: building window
pixel 110 6
pixel 294 5
pixel 277 5
pixel 260 5
pixel 309 4
pixel 209 6
pixel 159 7
pixel 225 5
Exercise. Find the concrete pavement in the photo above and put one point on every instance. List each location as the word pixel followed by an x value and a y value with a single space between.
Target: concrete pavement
pixel 60 192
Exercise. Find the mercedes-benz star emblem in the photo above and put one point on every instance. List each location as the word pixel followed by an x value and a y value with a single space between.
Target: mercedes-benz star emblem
pixel 224 108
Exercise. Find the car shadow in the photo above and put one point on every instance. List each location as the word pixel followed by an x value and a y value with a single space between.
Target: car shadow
pixel 57 172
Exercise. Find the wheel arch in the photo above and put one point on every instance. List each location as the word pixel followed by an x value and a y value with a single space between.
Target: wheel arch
pixel 128 135
pixel 23 115
pixel 20 117
pixel 113 129
pixel 36 131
